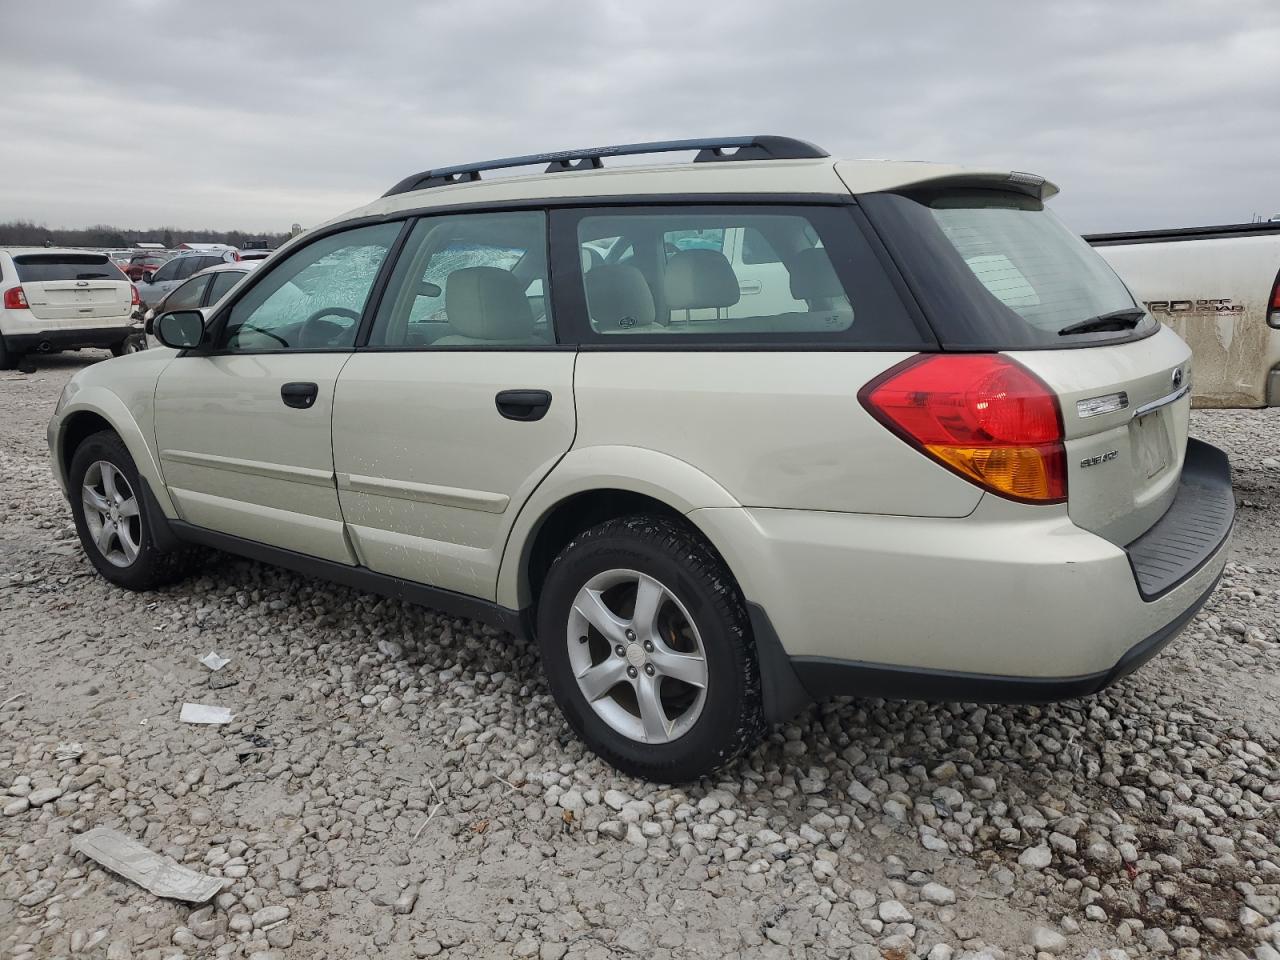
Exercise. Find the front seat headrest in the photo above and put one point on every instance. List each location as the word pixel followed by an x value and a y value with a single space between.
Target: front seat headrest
pixel 813 277
pixel 700 278
pixel 487 303
pixel 619 298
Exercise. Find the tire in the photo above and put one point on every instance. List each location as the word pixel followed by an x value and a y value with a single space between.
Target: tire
pixel 8 359
pixel 130 558
pixel 699 630
pixel 120 349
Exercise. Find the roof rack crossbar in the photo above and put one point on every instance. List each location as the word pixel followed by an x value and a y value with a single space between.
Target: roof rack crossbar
pixel 764 147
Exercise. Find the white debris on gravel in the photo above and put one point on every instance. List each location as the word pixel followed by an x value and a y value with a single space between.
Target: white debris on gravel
pixel 204 713
pixel 214 661
pixel 1140 822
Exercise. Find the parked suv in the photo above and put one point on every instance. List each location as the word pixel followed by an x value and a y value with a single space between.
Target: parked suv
pixel 60 300
pixel 952 463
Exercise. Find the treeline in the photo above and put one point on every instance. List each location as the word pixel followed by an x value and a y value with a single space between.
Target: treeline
pixel 24 233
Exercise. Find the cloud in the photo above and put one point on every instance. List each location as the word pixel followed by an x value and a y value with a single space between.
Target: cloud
pixel 257 115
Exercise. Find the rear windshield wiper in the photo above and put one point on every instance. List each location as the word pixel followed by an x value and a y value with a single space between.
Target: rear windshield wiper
pixel 1125 319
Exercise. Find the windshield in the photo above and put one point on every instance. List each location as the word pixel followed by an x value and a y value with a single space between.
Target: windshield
pixel 1003 271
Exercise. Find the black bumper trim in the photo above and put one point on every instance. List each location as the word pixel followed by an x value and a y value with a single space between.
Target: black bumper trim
pixel 828 677
pixel 66 339
pixel 1192 529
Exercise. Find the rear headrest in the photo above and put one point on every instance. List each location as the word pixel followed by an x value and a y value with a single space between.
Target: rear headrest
pixel 700 278
pixel 812 276
pixel 487 303
pixel 618 298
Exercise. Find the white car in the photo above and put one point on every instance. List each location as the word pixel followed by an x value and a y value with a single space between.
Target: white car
pixel 61 300
pixel 202 289
pixel 168 275
pixel 951 462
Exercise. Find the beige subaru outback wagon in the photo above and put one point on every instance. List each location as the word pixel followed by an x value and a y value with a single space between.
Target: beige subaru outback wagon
pixel 726 436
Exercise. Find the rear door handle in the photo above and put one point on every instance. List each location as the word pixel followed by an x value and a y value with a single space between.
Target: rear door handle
pixel 299 395
pixel 750 286
pixel 523 404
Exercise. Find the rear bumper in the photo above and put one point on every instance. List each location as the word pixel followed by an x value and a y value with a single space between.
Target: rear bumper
pixel 822 677
pixel 1013 603
pixel 45 340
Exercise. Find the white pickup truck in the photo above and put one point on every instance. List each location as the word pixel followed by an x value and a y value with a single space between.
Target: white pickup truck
pixel 1219 289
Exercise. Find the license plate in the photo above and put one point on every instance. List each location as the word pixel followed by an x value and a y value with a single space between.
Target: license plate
pixel 1151 448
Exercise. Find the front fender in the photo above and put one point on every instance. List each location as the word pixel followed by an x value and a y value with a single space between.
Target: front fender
pixel 674 482
pixel 101 402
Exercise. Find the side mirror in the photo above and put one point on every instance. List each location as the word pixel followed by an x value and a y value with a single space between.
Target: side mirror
pixel 180 329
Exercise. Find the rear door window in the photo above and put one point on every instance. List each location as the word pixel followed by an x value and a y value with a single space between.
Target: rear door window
pixel 999 271
pixel 45 267
pixel 223 281
pixel 766 273
pixel 187 295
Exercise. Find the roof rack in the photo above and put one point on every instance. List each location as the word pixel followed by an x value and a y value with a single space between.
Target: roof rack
pixel 709 150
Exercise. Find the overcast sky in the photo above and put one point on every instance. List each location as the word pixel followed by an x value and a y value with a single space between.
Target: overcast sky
pixel 258 115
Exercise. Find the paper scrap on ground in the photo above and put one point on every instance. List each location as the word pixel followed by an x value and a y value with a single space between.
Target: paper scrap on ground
pixel 200 713
pixel 213 661
pixel 151 871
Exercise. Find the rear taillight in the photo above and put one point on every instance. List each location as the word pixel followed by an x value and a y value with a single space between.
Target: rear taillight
pixel 134 299
pixel 982 416
pixel 15 299
pixel 1273 308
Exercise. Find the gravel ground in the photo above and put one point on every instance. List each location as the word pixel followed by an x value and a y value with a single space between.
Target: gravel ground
pixel 397 783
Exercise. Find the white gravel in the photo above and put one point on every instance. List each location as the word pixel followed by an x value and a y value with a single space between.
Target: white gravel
pixel 396 783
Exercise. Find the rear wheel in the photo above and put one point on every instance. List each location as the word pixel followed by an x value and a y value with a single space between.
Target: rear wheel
pixel 648 650
pixel 106 502
pixel 8 359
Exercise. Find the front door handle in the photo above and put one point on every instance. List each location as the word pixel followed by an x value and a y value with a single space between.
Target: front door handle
pixel 523 404
pixel 299 395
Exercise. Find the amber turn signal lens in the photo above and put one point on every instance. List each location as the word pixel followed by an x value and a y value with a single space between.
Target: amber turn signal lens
pixel 982 416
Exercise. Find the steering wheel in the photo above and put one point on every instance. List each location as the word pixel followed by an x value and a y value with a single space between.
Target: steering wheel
pixel 317 333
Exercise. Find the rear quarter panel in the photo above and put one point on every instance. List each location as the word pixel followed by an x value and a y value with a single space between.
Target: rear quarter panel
pixel 772 428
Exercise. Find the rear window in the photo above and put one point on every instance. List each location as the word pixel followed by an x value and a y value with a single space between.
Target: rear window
pixel 42 267
pixel 1000 271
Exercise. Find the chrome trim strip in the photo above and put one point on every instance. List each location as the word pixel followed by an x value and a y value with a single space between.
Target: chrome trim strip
pixel 425 493
pixel 255 468
pixel 1177 395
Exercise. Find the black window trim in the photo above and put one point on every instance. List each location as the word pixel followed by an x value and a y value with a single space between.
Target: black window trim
pixel 571 306
pixel 557 280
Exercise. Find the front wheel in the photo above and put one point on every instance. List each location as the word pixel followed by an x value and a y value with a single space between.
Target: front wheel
pixel 648 650
pixel 106 502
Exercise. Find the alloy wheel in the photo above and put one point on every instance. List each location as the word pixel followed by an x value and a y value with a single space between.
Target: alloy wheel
pixel 111 512
pixel 637 656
